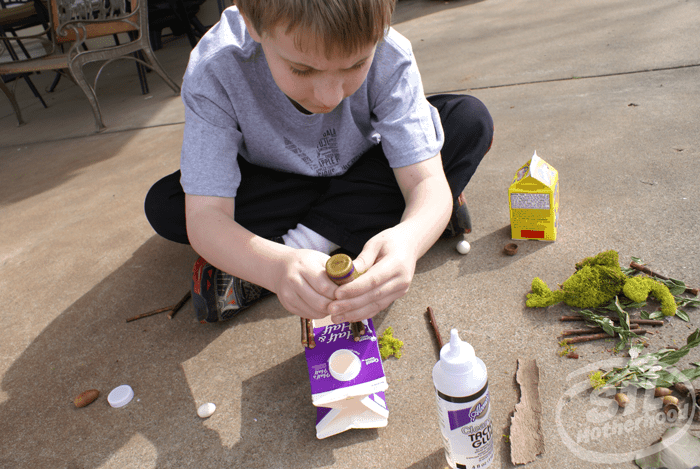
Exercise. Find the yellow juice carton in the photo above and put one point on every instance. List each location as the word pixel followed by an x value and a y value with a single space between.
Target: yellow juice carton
pixel 534 201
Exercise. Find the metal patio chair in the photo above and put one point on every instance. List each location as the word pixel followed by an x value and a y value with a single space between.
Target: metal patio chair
pixel 73 22
pixel 16 17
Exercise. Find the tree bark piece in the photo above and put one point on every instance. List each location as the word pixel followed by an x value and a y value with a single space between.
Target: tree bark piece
pixel 526 439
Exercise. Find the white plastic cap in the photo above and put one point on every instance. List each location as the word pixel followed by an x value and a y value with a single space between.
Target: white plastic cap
pixel 344 365
pixel 120 396
pixel 457 357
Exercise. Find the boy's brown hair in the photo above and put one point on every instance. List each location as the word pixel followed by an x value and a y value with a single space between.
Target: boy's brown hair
pixel 332 26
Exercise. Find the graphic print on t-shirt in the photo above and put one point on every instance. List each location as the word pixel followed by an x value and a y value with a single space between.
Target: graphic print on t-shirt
pixel 289 145
pixel 327 154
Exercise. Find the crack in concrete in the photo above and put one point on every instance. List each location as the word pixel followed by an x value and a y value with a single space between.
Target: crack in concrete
pixel 554 80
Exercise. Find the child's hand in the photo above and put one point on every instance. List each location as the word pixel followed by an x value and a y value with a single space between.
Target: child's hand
pixel 303 287
pixel 389 262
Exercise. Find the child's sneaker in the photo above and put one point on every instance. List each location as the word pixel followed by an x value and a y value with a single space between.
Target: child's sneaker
pixel 218 296
pixel 460 221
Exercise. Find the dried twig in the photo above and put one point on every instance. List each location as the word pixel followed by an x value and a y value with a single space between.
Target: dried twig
pixel 643 322
pixel 310 333
pixel 602 335
pixel 173 309
pixel 433 323
pixel 304 333
pixel 150 313
pixel 179 304
pixel 357 330
pixel 591 330
pixel 648 271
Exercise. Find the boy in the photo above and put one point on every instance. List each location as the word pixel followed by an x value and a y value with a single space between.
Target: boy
pixel 307 130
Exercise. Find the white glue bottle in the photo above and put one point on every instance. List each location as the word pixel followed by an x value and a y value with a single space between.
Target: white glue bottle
pixel 462 392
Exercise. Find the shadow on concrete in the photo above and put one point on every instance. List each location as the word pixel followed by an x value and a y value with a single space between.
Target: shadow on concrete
pixel 434 461
pixel 122 104
pixel 90 345
pixel 487 253
pixel 70 143
pixel 277 427
pixel 27 173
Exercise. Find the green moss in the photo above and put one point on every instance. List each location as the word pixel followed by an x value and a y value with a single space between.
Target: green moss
pixel 588 288
pixel 596 379
pixel 606 258
pixel 388 345
pixel 541 295
pixel 566 348
pixel 596 282
pixel 592 286
pixel 638 288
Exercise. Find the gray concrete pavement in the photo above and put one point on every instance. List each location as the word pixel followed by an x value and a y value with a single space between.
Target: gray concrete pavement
pixel 605 91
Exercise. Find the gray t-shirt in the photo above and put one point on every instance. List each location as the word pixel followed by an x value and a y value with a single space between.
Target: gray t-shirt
pixel 233 106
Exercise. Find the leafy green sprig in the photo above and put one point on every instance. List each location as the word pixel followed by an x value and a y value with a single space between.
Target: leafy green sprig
pixel 650 370
pixel 607 324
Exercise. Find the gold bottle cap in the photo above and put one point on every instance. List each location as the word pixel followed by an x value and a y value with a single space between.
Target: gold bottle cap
pixel 339 267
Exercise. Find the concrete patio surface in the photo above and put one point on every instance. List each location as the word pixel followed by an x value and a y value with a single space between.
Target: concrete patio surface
pixel 606 91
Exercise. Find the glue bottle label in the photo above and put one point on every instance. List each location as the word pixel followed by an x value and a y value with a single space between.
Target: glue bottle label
pixel 465 423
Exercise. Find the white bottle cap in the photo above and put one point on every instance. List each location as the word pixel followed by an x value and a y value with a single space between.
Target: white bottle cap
pixel 344 365
pixel 457 357
pixel 120 396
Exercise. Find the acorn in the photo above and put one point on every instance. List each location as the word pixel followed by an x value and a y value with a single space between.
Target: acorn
pixel 682 389
pixel 621 399
pixel 86 398
pixel 671 408
pixel 670 400
pixel 661 392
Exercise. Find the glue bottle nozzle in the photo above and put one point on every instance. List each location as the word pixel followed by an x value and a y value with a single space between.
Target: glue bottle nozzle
pixel 455 344
pixel 457 356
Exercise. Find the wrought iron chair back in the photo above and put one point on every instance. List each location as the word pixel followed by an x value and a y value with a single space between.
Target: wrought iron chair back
pixel 78 20
pixel 24 26
pixel 20 15
pixel 74 22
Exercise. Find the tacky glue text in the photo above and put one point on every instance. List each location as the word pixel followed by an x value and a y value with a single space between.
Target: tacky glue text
pixel 463 405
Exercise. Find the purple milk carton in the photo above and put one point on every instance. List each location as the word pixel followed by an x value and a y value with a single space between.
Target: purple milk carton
pixel 347 379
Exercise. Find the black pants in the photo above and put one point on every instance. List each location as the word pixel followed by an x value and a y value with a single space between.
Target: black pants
pixel 347 209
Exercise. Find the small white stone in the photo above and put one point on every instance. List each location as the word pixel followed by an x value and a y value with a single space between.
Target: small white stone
pixel 463 247
pixel 205 410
